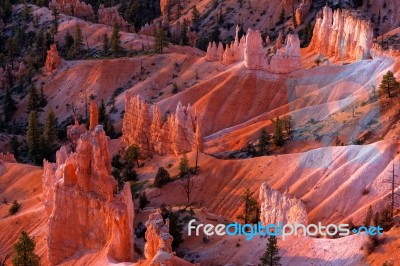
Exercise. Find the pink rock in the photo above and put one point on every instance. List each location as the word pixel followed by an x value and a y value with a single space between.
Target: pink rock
pixel 94 115
pixel 110 16
pixel 73 8
pixel 178 134
pixel 53 60
pixel 87 212
pixel 342 35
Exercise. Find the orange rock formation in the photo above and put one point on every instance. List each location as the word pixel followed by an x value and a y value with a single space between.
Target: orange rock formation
pixel 110 16
pixel 180 133
pixel 251 50
pixel 342 35
pixel 87 212
pixel 73 8
pixel 53 60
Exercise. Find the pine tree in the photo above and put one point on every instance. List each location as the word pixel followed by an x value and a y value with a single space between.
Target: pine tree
pixel 160 40
pixel 69 41
pixel 33 138
pixel 271 254
pixel 263 142
pixel 9 105
pixel 26 13
pixel 389 85
pixel 282 17
pixel 77 47
pixel 24 251
pixel 54 26
pixel 102 113
pixel 184 167
pixel 33 99
pixel 116 41
pixel 50 134
pixel 133 155
pixel 184 33
pixel 368 217
pixel 106 44
pixel 195 16
pixel 251 212
pixel 278 133
pixel 161 178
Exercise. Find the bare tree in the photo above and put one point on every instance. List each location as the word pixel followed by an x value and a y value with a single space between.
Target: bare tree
pixel 393 188
pixel 187 183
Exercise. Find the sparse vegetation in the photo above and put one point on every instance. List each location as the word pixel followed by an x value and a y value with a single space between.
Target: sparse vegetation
pixel 14 208
pixel 24 254
pixel 161 178
pixel 271 255
pixel 389 85
pixel 251 211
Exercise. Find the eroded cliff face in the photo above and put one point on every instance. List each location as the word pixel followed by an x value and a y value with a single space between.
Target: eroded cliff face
pixel 180 133
pixel 342 34
pixel 87 212
pixel 73 8
pixel 277 207
pixel 53 59
pixel 7 157
pixel 250 49
pixel 110 16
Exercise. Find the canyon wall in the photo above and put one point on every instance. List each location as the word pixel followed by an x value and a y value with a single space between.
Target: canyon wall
pixel 74 8
pixel 250 49
pixel 53 59
pixel 342 34
pixel 7 157
pixel 277 207
pixel 86 209
pixel 110 16
pixel 177 133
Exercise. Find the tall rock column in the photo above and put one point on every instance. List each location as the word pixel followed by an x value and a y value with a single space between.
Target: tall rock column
pixel 93 115
pixel 254 54
pixel 87 210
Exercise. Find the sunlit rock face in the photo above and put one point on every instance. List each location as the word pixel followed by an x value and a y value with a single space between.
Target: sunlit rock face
pixel 342 34
pixel 73 8
pixel 177 133
pixel 53 59
pixel 277 207
pixel 94 115
pixel 158 248
pixel 87 212
pixel 302 11
pixel 250 49
pixel 110 16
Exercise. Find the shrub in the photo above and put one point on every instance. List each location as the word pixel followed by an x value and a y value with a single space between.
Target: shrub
pixel 14 208
pixel 161 178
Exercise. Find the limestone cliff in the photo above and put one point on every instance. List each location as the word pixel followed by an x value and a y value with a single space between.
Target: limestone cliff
pixel 87 212
pixel 73 8
pixel 110 16
pixel 180 133
pixel 250 49
pixel 342 34
pixel 277 207
pixel 53 59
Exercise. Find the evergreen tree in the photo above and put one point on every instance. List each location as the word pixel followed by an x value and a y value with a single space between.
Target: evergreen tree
pixel 184 167
pixel 133 155
pixel 160 40
pixel 389 85
pixel 184 33
pixel 143 201
pixel 50 134
pixel 282 17
pixel 278 133
pixel 368 217
pixel 263 142
pixel 77 46
pixel 9 105
pixel 33 99
pixel 251 212
pixel 14 143
pixel 26 13
pixel 106 44
pixel 271 254
pixel 69 41
pixel 33 138
pixel 116 48
pixel 161 178
pixel 54 23
pixel 102 113
pixel 195 17
pixel 24 251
